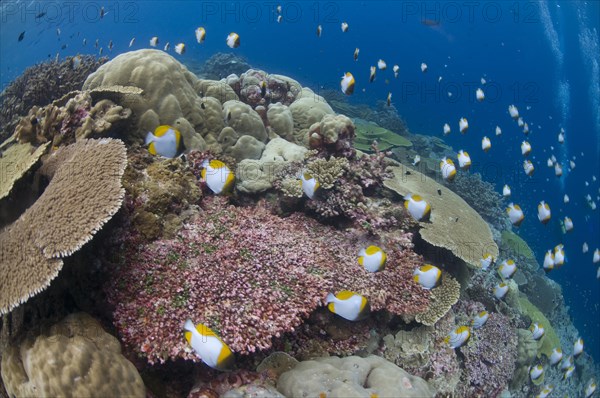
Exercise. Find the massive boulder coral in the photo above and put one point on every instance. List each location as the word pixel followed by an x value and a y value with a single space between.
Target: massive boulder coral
pixel 453 225
pixel 277 88
pixel 352 377
pixel 308 109
pixel 251 276
pixel 170 93
pixel 74 357
pixel 66 216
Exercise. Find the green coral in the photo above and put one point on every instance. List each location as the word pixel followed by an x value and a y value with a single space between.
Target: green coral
pixel 550 340
pixel 515 244
pixel 367 132
pixel 327 172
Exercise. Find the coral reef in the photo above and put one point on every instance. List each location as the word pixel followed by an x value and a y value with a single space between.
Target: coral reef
pixel 39 85
pixel 278 88
pixel 442 299
pixel 368 132
pixel 481 196
pixel 471 237
pixel 332 136
pixel 249 275
pixel 489 358
pixel 221 65
pixel 15 162
pixel 75 357
pixel 513 246
pixel 550 340
pixel 66 216
pixel 351 377
pixel 308 109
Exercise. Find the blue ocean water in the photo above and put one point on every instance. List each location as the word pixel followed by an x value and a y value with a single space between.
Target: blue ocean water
pixel 540 56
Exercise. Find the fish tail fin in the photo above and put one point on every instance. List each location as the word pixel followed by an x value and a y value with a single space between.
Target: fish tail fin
pixel 188 326
pixel 149 138
pixel 330 298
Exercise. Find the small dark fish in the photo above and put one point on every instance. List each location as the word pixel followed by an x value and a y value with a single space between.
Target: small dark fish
pixel 64 46
pixel 430 22
pixel 440 192
pixel 101 12
pixel 41 14
pixel 22 36
pixel 456 219
pixel 263 88
pixel 229 116
pixel 408 173
pixel 202 106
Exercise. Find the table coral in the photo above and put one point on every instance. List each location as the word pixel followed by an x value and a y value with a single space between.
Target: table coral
pixel 250 275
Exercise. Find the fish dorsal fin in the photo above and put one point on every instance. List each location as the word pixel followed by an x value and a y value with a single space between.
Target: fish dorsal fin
pixel 188 337
pixel 483 313
pixel 205 330
pixel 216 164
pixel 151 148
pixel 161 130
pixel 426 267
pixel 372 250
pixel 416 198
pixel 344 294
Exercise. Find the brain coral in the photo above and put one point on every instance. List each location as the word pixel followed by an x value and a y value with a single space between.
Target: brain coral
pixel 66 216
pixel 352 376
pixel 453 225
pixel 250 275
pixel 170 93
pixel 73 358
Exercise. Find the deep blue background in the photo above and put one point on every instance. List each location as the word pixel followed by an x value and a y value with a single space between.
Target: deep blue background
pixel 538 55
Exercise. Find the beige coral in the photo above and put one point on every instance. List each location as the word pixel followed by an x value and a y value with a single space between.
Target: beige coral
pixel 244 120
pixel 441 300
pixel 75 357
pixel 15 162
pixel 327 171
pixel 84 193
pixel 351 377
pixel 281 121
pixel 307 109
pixel 453 224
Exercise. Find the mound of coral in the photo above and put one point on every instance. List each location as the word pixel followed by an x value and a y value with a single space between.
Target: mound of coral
pixel 251 276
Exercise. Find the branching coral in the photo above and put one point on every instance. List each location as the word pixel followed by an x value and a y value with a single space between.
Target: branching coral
pixel 41 84
pixel 251 276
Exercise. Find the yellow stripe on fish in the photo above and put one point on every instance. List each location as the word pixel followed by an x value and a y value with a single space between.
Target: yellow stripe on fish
pixel 166 141
pixel 372 258
pixel 349 305
pixel 417 207
pixel 428 276
pixel 208 346
pixel 458 337
pixel 217 176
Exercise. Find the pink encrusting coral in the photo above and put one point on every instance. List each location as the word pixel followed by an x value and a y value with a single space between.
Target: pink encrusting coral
pixel 250 276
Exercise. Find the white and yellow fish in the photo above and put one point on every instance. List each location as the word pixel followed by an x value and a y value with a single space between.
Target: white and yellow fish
pixel 217 176
pixel 446 129
pixel 349 305
pixel 536 372
pixel 514 112
pixel 528 167
pixel 372 258
pixel 416 161
pixel 549 261
pixel 515 214
pixel 165 141
pixel 372 72
pixel 525 148
pixel 463 125
pixel 180 48
pixel 585 247
pixel 506 191
pixel 525 129
pixel 561 137
pixel 537 330
pixel 417 207
pixel 558 171
pixel 507 269
pixel 423 67
pixel 498 130
pixel 590 388
pixel 479 95
pixel 500 290
pixel 154 41
pixel 131 42
pixel 200 34
pixel 559 255
pixel 347 83
pixel 556 356
pixel 381 64
pixel 428 276
pixel 389 99
pixel 279 18
pixel 550 162
pixel 310 185
pixel 486 144
pixel 569 372
pixel 344 27
pixel 464 160
pixel 520 122
pixel 567 362
pixel 482 80
pixel 396 70
pixel 208 346
pixel 572 165
pixel 480 319
pixel 568 224
pixel 486 261
pixel 546 391
pixel 319 30
pixel 596 256
pixel 167 46
pixel 233 40
pixel 458 336
pixel 544 213
pixel 577 347
pixel 356 51
pixel 566 199
pixel 448 169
